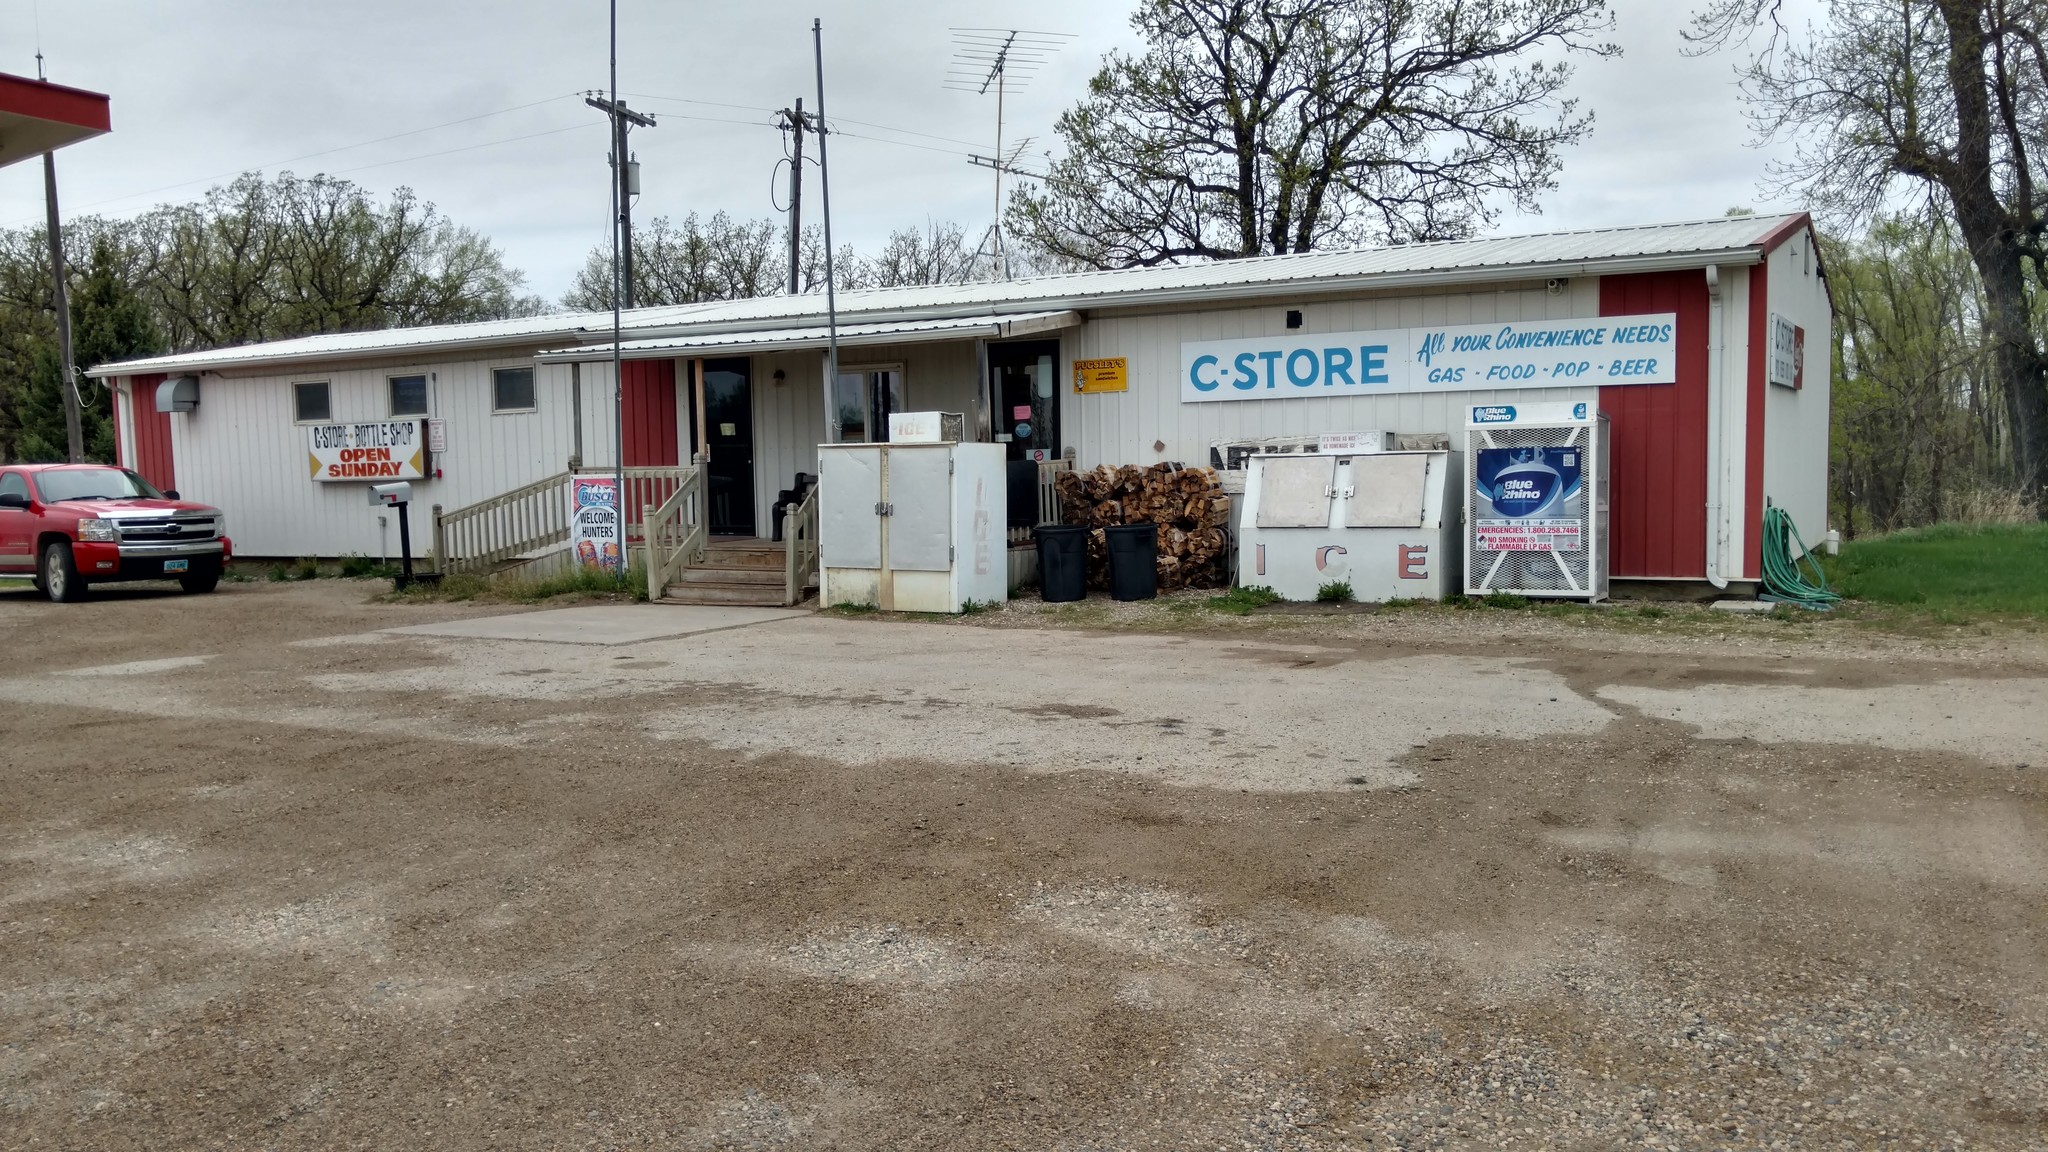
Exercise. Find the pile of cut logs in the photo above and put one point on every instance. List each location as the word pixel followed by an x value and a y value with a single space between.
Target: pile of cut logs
pixel 1188 504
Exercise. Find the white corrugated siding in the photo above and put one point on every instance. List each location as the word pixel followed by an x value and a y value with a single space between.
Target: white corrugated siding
pixel 1122 428
pixel 1796 426
pixel 242 452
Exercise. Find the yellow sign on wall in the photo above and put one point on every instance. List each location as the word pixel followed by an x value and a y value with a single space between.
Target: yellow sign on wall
pixel 1110 375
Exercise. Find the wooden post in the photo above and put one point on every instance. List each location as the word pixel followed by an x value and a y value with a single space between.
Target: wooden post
pixel 697 387
pixel 440 543
pixel 654 589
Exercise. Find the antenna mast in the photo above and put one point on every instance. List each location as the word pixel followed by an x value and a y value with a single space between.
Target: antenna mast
pixel 999 58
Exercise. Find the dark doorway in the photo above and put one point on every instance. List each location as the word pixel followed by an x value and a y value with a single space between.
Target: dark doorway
pixel 729 432
pixel 1024 397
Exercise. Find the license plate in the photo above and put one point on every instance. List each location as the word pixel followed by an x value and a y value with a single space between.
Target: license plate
pixel 177 565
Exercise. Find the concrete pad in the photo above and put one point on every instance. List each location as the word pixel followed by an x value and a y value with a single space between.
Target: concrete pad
pixel 1997 720
pixel 1743 606
pixel 604 625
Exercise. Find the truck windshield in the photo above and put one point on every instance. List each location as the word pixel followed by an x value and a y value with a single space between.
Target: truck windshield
pixel 93 484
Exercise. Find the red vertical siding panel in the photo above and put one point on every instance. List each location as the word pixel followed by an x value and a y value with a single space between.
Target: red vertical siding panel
pixel 1759 385
pixel 153 459
pixel 114 401
pixel 1658 452
pixel 649 388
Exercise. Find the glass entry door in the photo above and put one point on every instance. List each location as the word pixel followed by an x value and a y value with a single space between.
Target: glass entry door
pixel 729 434
pixel 1024 400
pixel 862 400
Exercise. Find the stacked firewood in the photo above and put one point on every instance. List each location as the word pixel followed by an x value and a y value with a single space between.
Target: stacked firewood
pixel 1188 505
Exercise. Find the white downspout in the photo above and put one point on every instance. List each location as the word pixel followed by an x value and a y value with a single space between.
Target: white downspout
pixel 1717 464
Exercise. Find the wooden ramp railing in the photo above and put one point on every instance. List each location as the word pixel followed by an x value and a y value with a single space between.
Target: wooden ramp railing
pixel 800 548
pixel 481 536
pixel 675 531
pixel 529 521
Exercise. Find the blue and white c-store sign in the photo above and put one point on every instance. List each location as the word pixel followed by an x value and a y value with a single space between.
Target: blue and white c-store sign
pixel 1535 354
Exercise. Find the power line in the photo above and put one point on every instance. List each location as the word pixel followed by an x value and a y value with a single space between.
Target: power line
pixel 905 131
pixel 898 143
pixel 464 148
pixel 705 103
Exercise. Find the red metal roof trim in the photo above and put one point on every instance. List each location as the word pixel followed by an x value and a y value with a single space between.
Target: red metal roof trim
pixel 42 100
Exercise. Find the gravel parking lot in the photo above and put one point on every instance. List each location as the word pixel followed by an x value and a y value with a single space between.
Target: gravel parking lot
pixel 272 876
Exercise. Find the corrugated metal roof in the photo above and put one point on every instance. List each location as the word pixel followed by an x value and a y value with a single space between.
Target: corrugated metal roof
pixel 1601 251
pixel 818 336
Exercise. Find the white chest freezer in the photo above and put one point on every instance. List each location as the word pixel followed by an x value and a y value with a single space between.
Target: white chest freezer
pixel 912 527
pixel 1385 523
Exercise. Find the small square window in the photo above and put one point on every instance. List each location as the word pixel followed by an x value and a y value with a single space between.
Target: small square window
pixel 408 395
pixel 512 390
pixel 309 403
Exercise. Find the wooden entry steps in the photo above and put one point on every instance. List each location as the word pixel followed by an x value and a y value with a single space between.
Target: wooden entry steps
pixel 734 571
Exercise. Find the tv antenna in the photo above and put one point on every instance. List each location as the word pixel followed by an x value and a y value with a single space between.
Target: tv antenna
pixel 1002 59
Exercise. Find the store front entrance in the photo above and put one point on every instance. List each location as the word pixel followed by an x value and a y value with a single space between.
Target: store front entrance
pixel 728 437
pixel 1024 401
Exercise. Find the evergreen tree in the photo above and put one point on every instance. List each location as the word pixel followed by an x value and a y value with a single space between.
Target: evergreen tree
pixel 109 322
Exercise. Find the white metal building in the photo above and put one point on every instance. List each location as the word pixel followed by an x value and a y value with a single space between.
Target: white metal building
pixel 1699 443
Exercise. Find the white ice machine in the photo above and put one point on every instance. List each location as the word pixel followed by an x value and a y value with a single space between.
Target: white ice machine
pixel 912 527
pixel 1384 522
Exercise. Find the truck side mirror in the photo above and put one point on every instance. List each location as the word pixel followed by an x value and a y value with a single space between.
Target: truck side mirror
pixel 172 494
pixel 14 500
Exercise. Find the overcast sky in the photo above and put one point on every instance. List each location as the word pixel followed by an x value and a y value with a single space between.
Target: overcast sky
pixel 484 93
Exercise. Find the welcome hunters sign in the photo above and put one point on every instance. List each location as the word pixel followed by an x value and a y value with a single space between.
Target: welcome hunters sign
pixel 1515 354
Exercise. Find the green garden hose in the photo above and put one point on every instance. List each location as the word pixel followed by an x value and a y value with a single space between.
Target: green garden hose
pixel 1785 579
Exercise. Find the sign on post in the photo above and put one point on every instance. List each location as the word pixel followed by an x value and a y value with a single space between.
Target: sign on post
pixel 383 450
pixel 597 530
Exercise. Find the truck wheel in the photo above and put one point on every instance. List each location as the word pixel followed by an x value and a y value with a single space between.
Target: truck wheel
pixel 60 574
pixel 197 583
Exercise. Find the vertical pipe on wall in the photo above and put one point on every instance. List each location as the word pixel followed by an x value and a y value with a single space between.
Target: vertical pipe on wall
pixel 1717 440
pixel 576 414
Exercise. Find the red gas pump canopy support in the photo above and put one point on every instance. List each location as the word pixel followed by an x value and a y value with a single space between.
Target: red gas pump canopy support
pixel 37 116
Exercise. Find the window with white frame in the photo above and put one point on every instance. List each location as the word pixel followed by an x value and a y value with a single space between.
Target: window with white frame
pixel 311 403
pixel 512 390
pixel 408 395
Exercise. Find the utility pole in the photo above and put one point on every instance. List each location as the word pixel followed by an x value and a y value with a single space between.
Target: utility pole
pixel 628 172
pixel 825 195
pixel 794 121
pixel 74 430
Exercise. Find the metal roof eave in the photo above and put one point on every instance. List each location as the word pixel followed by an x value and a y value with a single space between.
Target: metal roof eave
pixel 1743 256
pixel 788 338
pixel 198 362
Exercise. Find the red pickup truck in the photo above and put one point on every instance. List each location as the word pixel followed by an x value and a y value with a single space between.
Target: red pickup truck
pixel 71 525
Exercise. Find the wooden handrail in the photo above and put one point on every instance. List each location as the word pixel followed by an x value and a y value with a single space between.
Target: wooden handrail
pixel 531 518
pixel 510 524
pixel 800 547
pixel 675 533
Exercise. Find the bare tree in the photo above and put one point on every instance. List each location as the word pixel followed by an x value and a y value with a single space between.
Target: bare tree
pixel 1272 126
pixel 935 254
pixel 720 258
pixel 1944 100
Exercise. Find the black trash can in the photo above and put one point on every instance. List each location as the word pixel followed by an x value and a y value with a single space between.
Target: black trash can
pixel 1062 562
pixel 1133 561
